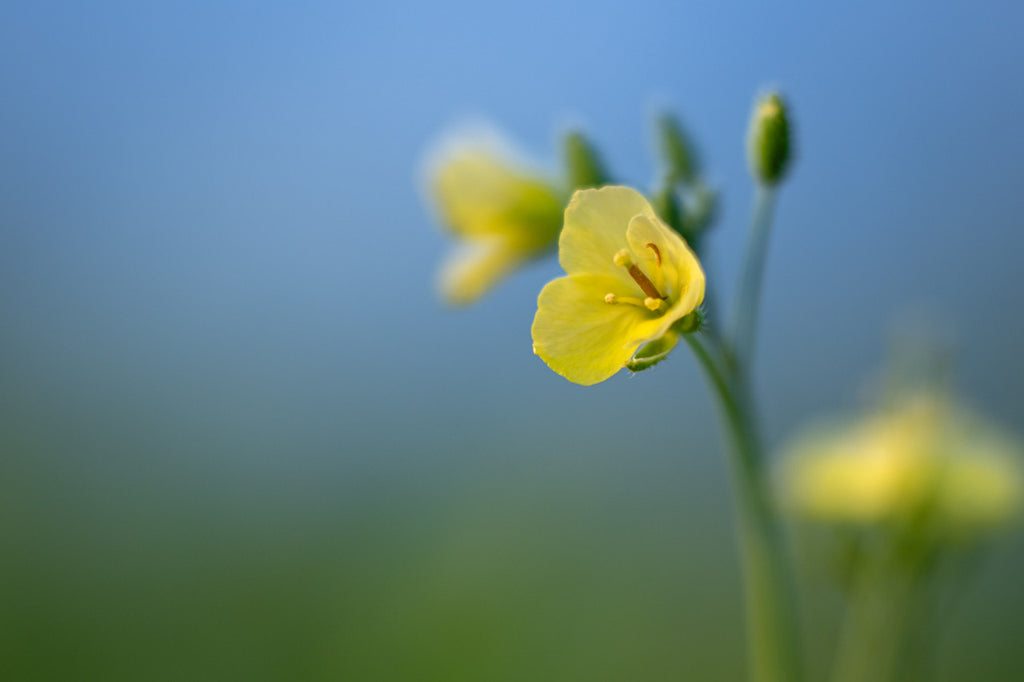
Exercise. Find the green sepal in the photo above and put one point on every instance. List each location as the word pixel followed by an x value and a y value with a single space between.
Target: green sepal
pixel 583 164
pixel 653 352
pixel 691 323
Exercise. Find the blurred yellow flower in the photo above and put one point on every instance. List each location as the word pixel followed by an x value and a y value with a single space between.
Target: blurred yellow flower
pixel 504 215
pixel 629 279
pixel 920 461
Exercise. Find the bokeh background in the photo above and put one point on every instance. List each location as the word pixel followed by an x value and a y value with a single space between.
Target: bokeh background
pixel 241 439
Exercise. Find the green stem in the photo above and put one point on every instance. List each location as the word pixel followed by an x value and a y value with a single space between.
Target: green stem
pixel 878 627
pixel 749 294
pixel 769 593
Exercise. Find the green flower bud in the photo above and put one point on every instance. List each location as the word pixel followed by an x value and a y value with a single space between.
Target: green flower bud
pixel 666 205
pixel 768 143
pixel 676 150
pixel 583 163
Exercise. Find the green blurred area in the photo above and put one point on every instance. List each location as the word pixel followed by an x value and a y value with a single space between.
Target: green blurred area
pixel 586 565
pixel 537 580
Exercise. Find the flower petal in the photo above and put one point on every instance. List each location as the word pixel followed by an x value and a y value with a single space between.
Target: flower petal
pixel 682 272
pixel 595 229
pixel 580 336
pixel 477 266
pixel 479 195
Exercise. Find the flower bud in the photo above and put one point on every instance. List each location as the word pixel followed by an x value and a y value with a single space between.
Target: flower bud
pixel 582 162
pixel 768 143
pixel 666 204
pixel 676 150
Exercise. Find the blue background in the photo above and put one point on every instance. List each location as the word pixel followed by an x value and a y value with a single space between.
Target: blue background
pixel 242 439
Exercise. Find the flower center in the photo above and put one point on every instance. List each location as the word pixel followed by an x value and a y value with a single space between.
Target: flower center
pixel 653 299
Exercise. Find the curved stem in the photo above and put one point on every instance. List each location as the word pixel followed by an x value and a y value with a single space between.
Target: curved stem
pixel 769 593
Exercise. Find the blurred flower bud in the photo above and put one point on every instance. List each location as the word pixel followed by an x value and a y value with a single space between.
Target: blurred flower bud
pixel 583 164
pixel 666 205
pixel 678 154
pixel 768 141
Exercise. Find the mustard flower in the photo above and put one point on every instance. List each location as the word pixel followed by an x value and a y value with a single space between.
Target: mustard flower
pixel 921 460
pixel 503 214
pixel 629 279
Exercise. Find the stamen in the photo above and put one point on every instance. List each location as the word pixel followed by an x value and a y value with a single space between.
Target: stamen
pixel 653 304
pixel 628 300
pixel 645 284
pixel 622 259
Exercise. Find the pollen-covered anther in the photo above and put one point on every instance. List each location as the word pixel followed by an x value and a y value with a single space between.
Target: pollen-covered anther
pixel 653 304
pixel 622 259
pixel 627 300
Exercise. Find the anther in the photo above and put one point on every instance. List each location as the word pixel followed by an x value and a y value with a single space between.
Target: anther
pixel 625 300
pixel 653 304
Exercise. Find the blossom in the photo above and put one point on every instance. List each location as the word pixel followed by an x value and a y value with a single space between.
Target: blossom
pixel 503 214
pixel 629 279
pixel 921 461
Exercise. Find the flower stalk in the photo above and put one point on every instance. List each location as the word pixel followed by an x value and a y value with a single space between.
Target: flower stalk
pixel 772 629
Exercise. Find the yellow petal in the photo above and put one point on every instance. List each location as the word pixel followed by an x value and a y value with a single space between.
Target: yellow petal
pixel 595 229
pixel 478 194
pixel 477 266
pixel 918 460
pixel 981 490
pixel 580 336
pixel 850 476
pixel 683 275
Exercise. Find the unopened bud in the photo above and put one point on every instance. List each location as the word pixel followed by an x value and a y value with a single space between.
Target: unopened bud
pixel 768 143
pixel 666 205
pixel 583 163
pixel 676 150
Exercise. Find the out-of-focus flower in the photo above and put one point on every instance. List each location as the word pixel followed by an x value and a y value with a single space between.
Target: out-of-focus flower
pixel 921 461
pixel 504 214
pixel 630 278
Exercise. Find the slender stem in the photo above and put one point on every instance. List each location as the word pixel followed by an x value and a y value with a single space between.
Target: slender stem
pixel 749 294
pixel 769 594
pixel 878 627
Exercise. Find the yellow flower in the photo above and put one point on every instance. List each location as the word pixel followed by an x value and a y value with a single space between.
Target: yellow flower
pixel 629 279
pixel 921 461
pixel 504 215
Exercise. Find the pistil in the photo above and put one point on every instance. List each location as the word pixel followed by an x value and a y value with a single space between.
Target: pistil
pixel 622 259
